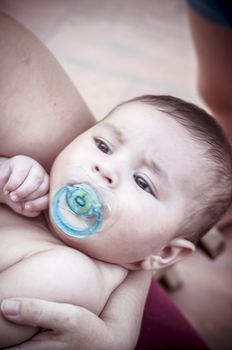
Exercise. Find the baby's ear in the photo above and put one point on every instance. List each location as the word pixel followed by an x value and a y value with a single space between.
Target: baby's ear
pixel 173 252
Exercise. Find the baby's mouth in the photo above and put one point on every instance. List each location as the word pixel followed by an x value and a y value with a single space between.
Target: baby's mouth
pixel 83 206
pixel 78 210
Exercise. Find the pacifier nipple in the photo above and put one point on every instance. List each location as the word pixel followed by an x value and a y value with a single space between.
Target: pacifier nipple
pixel 79 209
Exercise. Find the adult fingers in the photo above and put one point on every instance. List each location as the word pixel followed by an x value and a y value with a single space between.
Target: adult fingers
pixel 33 312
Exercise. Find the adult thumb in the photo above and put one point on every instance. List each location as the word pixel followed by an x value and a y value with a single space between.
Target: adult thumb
pixel 33 312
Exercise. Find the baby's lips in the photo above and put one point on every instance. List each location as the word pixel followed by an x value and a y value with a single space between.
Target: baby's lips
pixel 81 224
pixel 81 210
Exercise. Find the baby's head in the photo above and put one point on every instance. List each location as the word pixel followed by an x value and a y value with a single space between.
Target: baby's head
pixel 168 169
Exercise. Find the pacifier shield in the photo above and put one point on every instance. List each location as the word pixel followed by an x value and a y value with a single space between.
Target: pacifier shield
pixel 78 210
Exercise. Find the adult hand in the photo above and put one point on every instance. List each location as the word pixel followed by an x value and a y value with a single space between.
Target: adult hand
pixel 66 326
pixel 69 327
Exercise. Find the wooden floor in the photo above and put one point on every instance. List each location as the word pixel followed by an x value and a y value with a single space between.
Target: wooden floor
pixel 117 49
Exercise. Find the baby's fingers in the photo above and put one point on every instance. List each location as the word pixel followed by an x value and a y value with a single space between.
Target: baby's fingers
pixel 4 173
pixel 34 185
pixel 34 207
pixel 15 178
pixel 41 190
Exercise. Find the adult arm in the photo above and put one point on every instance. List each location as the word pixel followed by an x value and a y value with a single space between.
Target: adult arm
pixel 71 327
pixel 212 42
pixel 41 109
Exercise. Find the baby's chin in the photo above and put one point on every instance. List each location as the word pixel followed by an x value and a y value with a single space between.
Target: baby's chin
pixel 90 246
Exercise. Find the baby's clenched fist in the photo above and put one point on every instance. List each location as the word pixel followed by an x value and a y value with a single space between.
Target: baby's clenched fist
pixel 24 185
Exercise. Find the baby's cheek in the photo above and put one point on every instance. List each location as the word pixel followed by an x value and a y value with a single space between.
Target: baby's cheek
pixel 54 180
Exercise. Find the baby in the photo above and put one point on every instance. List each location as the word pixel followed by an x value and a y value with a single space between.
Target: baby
pixel 157 175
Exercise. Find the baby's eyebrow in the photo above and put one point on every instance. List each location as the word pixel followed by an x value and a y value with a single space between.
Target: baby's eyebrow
pixel 159 171
pixel 117 132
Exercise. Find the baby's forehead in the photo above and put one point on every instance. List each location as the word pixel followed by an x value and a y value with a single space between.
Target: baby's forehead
pixel 138 112
pixel 141 117
pixel 145 124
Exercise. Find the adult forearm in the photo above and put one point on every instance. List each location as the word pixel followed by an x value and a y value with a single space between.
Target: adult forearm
pixel 124 310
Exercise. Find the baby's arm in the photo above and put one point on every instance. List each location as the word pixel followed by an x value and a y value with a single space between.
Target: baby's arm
pixel 85 330
pixel 57 273
pixel 23 185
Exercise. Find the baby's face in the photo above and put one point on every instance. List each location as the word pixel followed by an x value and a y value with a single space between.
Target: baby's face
pixel 152 170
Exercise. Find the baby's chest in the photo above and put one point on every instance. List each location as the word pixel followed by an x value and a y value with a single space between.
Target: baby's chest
pixel 19 238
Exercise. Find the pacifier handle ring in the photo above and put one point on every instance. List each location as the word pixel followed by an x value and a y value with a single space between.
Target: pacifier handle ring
pixel 65 226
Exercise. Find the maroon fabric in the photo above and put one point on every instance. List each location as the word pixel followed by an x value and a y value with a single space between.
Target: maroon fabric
pixel 164 327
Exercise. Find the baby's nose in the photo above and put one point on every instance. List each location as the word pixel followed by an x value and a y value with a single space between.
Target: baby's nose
pixel 106 173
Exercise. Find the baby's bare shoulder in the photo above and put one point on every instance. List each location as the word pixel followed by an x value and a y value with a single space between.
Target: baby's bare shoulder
pixel 21 237
pixel 44 267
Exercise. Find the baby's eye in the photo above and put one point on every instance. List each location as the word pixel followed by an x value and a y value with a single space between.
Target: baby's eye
pixel 141 182
pixel 102 145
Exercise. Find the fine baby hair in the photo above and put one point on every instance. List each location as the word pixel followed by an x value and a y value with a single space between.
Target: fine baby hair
pixel 216 154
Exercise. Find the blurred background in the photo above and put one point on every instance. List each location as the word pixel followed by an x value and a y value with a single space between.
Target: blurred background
pixel 114 50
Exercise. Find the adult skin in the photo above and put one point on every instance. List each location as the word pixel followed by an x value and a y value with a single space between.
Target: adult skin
pixel 41 112
pixel 213 44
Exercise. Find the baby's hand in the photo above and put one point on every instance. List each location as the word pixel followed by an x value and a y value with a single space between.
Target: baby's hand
pixel 24 185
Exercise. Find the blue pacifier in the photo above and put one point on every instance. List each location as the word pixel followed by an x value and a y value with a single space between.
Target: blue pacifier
pixel 78 210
